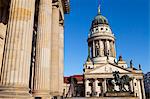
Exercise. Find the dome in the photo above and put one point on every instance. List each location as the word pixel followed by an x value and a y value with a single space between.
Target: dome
pixel 99 19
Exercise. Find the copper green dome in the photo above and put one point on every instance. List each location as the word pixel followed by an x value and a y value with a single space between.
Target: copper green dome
pixel 99 19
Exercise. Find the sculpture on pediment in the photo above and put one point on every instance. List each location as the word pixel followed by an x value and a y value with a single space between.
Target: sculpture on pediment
pixel 121 81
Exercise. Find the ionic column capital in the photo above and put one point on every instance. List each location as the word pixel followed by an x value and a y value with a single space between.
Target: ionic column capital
pixel 55 3
pixel 61 22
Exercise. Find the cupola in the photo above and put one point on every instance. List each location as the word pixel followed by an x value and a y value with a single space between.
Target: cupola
pixel 99 19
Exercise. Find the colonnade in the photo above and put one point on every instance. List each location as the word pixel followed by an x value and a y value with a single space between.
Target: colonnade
pixel 99 87
pixel 47 69
pixel 100 48
pixel 95 87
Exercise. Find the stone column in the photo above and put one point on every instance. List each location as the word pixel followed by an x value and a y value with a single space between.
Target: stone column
pixel 43 51
pixel 143 89
pixel 108 47
pixel 93 48
pixel 131 86
pixel 101 48
pixel 139 89
pixel 96 87
pixel 61 57
pixel 87 88
pixel 105 48
pixel 14 79
pixel 2 41
pixel 55 51
pixel 100 54
pixel 114 50
pixel 104 86
pixel 135 88
pixel 111 49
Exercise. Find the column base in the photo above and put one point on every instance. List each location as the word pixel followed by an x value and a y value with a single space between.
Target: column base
pixel 56 95
pixel 14 92
pixel 43 94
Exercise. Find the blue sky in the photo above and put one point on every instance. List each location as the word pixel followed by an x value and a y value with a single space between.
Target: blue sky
pixel 129 21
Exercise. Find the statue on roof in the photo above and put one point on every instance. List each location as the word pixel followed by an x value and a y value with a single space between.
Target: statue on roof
pixel 120 58
pixel 140 67
pixel 131 64
pixel 88 58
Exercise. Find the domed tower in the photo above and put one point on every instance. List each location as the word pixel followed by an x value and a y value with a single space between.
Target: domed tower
pixel 101 40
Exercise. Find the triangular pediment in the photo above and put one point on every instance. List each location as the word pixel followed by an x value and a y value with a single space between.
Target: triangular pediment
pixel 109 68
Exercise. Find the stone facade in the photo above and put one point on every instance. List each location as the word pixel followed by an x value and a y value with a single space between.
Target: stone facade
pixel 31 50
pixel 104 75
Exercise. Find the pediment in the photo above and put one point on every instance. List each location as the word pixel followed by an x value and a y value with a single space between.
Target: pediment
pixel 109 68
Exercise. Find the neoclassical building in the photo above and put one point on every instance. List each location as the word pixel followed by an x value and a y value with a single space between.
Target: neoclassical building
pixel 31 48
pixel 104 75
